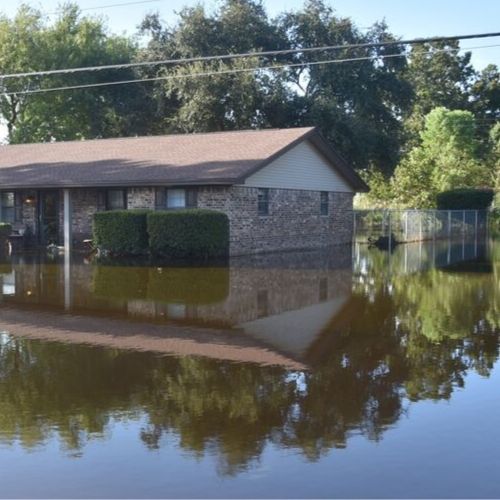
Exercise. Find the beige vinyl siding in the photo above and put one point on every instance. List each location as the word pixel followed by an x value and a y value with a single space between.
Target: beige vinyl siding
pixel 302 167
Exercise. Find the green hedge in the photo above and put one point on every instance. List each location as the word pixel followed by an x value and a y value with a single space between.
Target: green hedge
pixel 193 233
pixel 121 232
pixel 468 199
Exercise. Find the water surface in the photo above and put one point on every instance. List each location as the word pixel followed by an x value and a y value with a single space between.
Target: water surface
pixel 347 373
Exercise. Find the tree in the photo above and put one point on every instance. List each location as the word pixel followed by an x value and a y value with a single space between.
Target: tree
pixel 357 105
pixel 446 158
pixel 28 43
pixel 232 100
pixel 439 77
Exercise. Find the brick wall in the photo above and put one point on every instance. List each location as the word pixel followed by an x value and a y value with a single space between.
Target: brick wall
pixel 294 220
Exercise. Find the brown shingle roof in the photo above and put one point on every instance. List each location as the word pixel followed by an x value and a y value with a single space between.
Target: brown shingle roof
pixel 212 158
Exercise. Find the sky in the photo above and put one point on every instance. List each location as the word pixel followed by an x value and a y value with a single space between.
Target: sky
pixel 407 18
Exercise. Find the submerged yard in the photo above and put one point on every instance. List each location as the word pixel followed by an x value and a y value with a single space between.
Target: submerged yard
pixel 353 372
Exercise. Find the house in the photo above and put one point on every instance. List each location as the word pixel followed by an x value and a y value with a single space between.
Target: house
pixel 281 188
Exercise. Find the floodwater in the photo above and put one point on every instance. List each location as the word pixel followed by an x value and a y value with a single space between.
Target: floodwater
pixel 348 373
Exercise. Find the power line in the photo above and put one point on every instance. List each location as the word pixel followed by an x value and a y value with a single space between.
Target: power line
pixel 223 72
pixel 107 6
pixel 251 54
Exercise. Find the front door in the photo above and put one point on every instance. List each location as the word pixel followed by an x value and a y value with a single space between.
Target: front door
pixel 48 217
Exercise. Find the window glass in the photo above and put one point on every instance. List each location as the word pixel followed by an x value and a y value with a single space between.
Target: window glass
pixel 263 201
pixel 324 203
pixel 176 198
pixel 115 199
pixel 7 207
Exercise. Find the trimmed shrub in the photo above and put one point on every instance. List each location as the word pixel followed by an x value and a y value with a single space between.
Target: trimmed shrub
pixel 465 199
pixel 121 232
pixel 190 233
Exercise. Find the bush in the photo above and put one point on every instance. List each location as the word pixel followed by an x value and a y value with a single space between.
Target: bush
pixel 121 232
pixel 465 199
pixel 193 233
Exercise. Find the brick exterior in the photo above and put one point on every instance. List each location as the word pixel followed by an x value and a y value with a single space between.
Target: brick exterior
pixel 294 220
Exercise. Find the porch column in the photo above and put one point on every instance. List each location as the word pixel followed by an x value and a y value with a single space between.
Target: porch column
pixel 68 215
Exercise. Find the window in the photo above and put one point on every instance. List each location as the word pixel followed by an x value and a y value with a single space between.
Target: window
pixel 173 198
pixel 263 201
pixel 176 198
pixel 8 207
pixel 116 199
pixel 323 204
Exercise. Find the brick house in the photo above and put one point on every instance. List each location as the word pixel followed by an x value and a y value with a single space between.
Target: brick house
pixel 281 189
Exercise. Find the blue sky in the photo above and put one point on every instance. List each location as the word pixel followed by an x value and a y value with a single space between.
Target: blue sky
pixel 408 18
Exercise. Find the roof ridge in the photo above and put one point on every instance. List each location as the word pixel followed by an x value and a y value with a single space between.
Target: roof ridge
pixel 138 137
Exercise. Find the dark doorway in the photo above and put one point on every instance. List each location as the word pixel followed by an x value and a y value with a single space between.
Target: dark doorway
pixel 48 217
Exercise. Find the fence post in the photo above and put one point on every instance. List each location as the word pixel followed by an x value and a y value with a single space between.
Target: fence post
pixel 420 225
pixel 406 225
pixel 449 224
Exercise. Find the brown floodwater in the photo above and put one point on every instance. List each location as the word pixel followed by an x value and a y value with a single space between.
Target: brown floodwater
pixel 344 373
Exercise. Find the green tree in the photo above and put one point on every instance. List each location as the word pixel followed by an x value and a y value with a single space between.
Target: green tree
pixel 243 99
pixel 357 104
pixel 439 77
pixel 29 43
pixel 446 158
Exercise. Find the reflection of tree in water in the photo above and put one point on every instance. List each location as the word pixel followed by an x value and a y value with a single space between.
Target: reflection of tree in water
pixel 407 336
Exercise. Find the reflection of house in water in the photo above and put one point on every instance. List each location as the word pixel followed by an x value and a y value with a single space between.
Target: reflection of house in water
pixel 268 309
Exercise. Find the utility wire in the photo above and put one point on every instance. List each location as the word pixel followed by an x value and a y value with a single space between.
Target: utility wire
pixel 224 72
pixel 251 54
pixel 107 6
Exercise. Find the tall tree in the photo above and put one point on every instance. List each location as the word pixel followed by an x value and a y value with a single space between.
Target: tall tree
pixel 439 76
pixel 210 102
pixel 71 41
pixel 356 104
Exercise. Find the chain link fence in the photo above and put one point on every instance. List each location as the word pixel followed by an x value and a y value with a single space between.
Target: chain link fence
pixel 419 225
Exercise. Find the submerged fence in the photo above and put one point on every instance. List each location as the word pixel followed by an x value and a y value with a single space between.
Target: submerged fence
pixel 419 225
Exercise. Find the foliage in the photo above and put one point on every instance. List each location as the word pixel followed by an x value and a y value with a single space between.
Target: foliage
pixel 380 194
pixel 121 232
pixel 192 233
pixel 440 77
pixel 29 43
pixel 472 199
pixel 445 159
